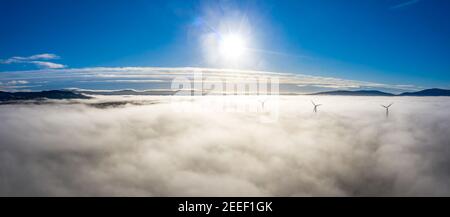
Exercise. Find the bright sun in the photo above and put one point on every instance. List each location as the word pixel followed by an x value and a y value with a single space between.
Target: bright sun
pixel 232 46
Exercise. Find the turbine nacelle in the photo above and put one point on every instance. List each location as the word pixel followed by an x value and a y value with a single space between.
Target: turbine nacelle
pixel 387 106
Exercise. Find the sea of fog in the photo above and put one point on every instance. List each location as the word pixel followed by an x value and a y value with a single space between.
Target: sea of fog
pixel 348 148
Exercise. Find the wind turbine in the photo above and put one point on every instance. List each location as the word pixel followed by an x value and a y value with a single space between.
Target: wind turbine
pixel 387 108
pixel 315 106
pixel 263 101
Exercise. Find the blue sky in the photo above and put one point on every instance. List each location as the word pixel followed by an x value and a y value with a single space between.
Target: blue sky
pixel 384 41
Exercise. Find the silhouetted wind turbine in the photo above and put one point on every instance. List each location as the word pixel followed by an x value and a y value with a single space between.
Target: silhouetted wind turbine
pixel 315 106
pixel 387 108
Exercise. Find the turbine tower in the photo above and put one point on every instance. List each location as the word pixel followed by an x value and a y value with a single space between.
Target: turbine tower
pixel 387 108
pixel 262 102
pixel 315 106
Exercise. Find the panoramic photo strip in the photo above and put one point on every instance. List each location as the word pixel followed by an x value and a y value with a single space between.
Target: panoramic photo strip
pixel 254 99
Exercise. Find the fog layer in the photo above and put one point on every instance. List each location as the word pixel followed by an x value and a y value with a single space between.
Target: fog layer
pixel 349 148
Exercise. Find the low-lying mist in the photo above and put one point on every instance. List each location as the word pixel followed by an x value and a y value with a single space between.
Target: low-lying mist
pixel 349 148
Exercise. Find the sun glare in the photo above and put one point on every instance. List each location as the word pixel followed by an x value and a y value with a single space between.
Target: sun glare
pixel 232 46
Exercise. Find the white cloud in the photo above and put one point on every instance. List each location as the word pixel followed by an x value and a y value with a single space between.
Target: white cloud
pixel 44 56
pixel 15 82
pixel 12 84
pixel 36 60
pixel 48 65
pixel 347 149
pixel 129 75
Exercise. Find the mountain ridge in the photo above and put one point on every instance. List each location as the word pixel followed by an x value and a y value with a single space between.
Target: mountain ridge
pixel 75 94
pixel 354 93
pixel 428 92
pixel 425 92
pixel 49 94
pixel 126 92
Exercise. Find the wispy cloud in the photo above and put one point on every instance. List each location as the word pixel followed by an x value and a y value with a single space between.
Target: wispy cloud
pixel 160 78
pixel 48 65
pixel 44 56
pixel 404 4
pixel 15 82
pixel 39 60
pixel 14 85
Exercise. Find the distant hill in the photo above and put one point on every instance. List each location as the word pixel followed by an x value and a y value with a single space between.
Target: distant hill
pixel 75 94
pixel 428 92
pixel 52 94
pixel 354 93
pixel 128 92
